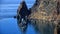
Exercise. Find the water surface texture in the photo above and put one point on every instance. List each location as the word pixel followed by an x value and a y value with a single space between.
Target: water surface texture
pixel 10 26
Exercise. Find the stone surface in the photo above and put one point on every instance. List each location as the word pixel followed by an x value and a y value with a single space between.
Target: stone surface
pixel 45 14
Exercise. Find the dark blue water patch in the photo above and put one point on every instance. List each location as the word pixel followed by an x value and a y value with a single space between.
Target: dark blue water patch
pixel 31 29
pixel 10 26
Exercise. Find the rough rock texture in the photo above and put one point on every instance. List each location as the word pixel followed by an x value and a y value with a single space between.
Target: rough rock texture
pixel 46 15
pixel 22 9
pixel 43 8
pixel 22 13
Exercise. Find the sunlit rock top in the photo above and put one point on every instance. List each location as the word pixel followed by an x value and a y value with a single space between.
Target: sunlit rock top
pixel 44 9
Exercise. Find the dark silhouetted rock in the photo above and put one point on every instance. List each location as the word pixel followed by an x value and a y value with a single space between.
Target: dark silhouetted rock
pixel 22 15
pixel 22 11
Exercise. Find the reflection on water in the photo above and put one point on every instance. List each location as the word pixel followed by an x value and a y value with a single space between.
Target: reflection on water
pixel 10 26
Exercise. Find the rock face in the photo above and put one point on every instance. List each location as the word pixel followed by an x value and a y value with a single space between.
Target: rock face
pixel 22 11
pixel 43 8
pixel 22 14
pixel 45 14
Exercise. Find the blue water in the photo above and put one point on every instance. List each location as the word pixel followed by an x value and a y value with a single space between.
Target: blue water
pixel 8 9
pixel 10 26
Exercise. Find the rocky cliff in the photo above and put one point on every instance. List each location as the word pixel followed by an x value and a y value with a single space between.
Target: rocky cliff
pixel 43 8
pixel 45 14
